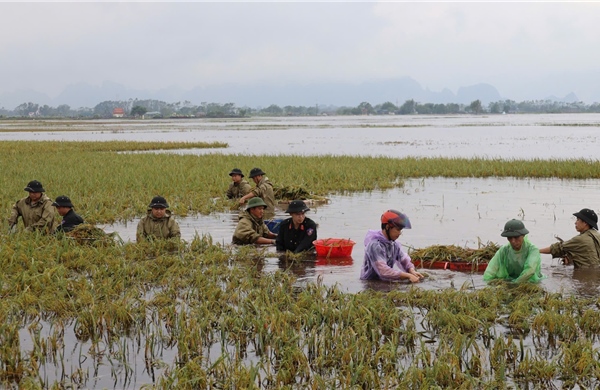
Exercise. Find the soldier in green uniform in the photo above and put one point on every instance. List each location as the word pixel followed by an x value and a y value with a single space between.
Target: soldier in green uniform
pixel 35 210
pixel 263 190
pixel 238 186
pixel 583 250
pixel 158 223
pixel 251 228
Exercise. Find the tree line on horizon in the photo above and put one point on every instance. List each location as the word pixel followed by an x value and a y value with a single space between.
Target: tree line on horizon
pixel 150 108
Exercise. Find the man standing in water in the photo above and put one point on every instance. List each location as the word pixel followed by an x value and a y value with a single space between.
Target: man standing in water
pixel 382 251
pixel 297 233
pixel 158 223
pixel 36 210
pixel 263 190
pixel 583 250
pixel 518 260
pixel 238 186
pixel 251 228
pixel 64 207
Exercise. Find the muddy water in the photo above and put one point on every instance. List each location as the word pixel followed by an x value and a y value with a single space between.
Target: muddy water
pixel 502 136
pixel 442 211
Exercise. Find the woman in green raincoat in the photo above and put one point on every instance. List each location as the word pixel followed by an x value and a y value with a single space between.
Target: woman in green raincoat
pixel 519 260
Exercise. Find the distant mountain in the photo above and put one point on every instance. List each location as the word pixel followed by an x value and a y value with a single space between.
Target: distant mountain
pixel 10 100
pixel 396 91
pixel 484 92
pixel 570 98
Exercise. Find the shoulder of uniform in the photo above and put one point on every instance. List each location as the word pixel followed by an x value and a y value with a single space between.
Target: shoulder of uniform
pixel 308 221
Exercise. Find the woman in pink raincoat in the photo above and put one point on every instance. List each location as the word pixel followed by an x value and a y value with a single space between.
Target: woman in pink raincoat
pixel 382 251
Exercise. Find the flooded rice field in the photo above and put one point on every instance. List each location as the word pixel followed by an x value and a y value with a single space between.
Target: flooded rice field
pixel 246 334
pixel 544 136
pixel 443 211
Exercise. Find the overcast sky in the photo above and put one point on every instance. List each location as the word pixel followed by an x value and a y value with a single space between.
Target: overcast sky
pixel 513 46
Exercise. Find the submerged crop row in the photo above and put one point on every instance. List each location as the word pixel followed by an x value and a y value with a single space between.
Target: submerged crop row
pixel 200 315
pixel 106 186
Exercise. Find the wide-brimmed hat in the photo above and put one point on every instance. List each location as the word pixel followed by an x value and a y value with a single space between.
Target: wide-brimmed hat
pixel 256 202
pixel 236 171
pixel 62 201
pixel 514 228
pixel 34 186
pixel 256 172
pixel 158 202
pixel 297 206
pixel 588 216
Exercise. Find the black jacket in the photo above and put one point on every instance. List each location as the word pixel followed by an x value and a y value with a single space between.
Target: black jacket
pixel 70 220
pixel 296 240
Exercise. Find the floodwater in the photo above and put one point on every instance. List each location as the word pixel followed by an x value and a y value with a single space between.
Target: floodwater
pixel 442 211
pixel 543 136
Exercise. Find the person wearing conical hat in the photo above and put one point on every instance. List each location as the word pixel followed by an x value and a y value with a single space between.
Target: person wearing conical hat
pixel 583 250
pixel 64 207
pixel 251 228
pixel 238 186
pixel 158 223
pixel 35 210
pixel 516 261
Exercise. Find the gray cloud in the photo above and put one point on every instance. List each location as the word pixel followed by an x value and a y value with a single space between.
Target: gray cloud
pixel 46 46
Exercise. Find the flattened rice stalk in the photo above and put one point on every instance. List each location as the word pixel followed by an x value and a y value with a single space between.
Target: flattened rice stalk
pixel 86 233
pixel 284 194
pixel 483 254
pixel 291 193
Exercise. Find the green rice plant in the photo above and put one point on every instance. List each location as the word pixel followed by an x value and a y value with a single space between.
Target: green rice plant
pixel 537 372
pixel 553 326
pixel 105 185
pixel 578 363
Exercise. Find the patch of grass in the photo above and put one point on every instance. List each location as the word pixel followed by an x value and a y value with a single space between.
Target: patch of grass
pixel 106 186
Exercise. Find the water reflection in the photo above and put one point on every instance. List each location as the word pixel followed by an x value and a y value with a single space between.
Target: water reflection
pixel 463 212
pixel 586 282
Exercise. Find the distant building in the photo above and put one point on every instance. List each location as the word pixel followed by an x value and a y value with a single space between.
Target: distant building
pixel 153 115
pixel 118 113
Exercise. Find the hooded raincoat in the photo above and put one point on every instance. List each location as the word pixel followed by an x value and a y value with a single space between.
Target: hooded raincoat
pixel 517 266
pixel 381 254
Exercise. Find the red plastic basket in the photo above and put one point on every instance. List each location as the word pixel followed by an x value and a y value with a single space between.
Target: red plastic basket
pixel 334 247
pixel 451 265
